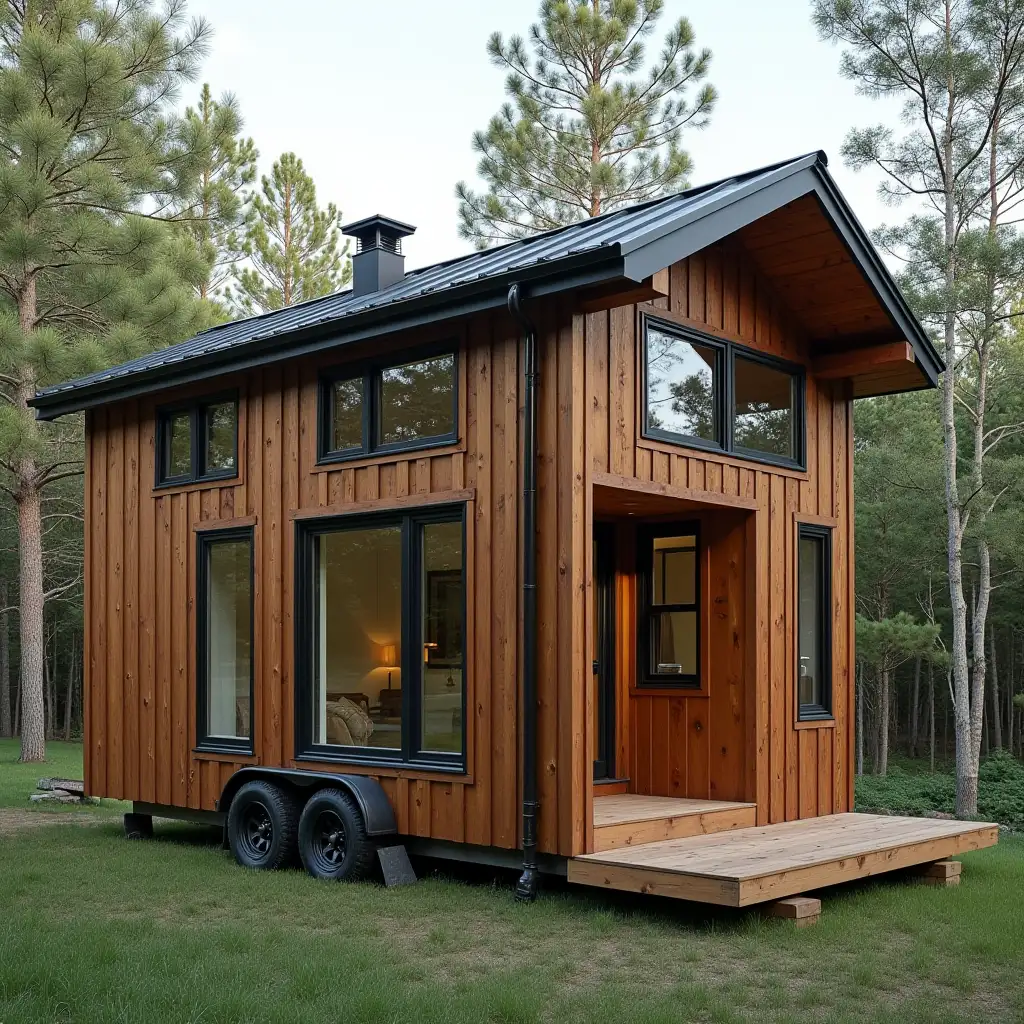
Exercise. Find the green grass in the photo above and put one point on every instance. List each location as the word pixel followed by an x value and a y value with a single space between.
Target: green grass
pixel 95 929
pixel 17 780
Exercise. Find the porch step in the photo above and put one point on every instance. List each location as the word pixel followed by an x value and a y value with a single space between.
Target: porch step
pixel 633 820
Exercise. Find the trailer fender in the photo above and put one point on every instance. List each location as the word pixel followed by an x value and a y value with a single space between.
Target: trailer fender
pixel 366 791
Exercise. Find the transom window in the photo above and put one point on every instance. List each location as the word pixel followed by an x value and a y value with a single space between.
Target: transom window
pixel 706 393
pixel 197 441
pixel 383 407
pixel 225 640
pixel 814 621
pixel 382 637
pixel 669 570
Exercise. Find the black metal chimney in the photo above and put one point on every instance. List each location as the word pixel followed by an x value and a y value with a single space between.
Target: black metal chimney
pixel 378 262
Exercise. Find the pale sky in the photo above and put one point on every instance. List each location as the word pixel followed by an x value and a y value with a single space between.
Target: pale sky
pixel 380 99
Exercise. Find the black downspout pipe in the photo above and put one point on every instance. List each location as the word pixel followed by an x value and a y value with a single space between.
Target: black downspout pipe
pixel 526 888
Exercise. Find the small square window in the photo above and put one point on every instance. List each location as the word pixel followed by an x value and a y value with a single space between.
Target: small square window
pixel 198 441
pixel 388 407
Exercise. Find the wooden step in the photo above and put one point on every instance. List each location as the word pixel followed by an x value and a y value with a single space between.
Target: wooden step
pixel 633 820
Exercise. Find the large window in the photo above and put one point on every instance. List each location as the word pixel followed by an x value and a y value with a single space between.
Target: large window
pixel 384 407
pixel 669 570
pixel 381 637
pixel 707 393
pixel 197 441
pixel 814 622
pixel 225 640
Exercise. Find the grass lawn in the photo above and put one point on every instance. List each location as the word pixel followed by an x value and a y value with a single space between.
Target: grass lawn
pixel 95 929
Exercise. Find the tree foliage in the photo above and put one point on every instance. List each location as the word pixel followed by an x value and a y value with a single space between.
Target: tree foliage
pixel 293 248
pixel 217 208
pixel 589 124
pixel 91 162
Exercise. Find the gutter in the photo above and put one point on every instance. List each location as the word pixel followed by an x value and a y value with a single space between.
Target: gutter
pixel 526 888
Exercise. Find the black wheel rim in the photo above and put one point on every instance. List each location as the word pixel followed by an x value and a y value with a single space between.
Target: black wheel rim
pixel 257 832
pixel 328 842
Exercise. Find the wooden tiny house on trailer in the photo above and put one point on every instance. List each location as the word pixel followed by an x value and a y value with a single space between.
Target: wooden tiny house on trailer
pixel 544 549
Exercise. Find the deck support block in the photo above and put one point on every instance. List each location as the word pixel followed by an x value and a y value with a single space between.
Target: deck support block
pixel 803 911
pixel 940 872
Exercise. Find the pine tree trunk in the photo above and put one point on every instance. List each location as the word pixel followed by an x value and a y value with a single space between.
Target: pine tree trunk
pixel 914 705
pixel 30 569
pixel 884 683
pixel 6 724
pixel 48 708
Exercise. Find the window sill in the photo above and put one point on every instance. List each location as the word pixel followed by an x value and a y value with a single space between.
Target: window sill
pixel 814 723
pixel 183 487
pixel 384 767
pixel 715 455
pixel 330 464
pixel 224 754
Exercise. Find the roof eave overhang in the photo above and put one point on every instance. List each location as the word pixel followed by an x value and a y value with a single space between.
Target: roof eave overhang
pixel 701 228
pixel 579 271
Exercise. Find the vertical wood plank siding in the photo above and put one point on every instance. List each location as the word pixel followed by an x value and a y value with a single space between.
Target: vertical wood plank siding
pixel 738 741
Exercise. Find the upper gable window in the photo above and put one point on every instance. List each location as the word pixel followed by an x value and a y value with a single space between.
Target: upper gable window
pixel 197 441
pixel 704 392
pixel 389 407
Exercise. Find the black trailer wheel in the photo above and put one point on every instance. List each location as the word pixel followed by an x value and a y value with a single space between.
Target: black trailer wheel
pixel 332 837
pixel 262 825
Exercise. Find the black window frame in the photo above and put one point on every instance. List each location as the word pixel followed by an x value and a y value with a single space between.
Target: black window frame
pixel 204 540
pixel 824 711
pixel 196 409
pixel 646 536
pixel 371 372
pixel 411 754
pixel 725 396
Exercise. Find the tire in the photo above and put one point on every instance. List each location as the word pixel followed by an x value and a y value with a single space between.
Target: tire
pixel 262 826
pixel 333 843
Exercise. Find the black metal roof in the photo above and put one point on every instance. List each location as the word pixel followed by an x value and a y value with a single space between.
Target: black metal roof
pixel 634 243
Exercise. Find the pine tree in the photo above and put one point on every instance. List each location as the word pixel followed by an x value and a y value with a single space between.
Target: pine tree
pixel 293 247
pixel 89 273
pixel 217 212
pixel 585 130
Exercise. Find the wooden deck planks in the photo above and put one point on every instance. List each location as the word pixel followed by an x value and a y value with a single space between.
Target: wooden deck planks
pixel 753 865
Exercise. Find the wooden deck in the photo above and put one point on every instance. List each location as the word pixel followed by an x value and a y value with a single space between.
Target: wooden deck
pixel 743 866
pixel 632 820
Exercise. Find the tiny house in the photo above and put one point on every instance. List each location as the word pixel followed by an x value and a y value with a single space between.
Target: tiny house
pixel 542 556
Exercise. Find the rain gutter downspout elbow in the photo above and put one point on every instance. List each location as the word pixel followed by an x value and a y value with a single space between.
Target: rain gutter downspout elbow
pixel 526 888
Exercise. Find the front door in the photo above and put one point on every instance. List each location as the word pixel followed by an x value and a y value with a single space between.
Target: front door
pixel 603 678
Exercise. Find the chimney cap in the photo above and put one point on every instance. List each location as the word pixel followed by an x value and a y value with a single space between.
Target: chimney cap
pixel 377 224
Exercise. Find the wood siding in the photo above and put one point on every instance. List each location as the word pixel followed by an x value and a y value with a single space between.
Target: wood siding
pixel 141 685
pixel 739 739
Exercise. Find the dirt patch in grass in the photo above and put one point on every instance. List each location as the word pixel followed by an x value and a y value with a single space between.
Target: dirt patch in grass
pixel 12 820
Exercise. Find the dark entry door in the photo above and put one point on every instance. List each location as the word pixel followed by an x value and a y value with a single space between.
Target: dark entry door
pixel 603 678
